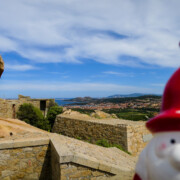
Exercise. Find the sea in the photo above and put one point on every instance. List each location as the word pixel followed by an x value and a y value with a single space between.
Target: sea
pixel 63 103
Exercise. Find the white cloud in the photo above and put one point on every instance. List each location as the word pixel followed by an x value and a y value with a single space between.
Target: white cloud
pixel 20 67
pixel 72 87
pixel 80 29
pixel 158 85
pixel 118 73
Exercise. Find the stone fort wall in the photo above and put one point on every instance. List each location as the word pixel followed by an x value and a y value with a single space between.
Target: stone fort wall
pixel 70 170
pixel 26 160
pixel 132 136
pixel 91 131
pixel 72 160
pixel 8 108
pixel 49 157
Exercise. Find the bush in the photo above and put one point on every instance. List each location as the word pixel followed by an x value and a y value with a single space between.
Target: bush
pixel 133 117
pixel 52 113
pixel 32 115
pixel 105 143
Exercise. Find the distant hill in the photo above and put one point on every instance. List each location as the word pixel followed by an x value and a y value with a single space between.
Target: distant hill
pixel 127 95
pixel 82 99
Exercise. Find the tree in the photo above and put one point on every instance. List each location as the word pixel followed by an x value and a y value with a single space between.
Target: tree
pixel 52 113
pixel 32 115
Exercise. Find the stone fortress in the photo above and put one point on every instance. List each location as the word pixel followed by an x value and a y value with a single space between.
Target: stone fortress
pixel 9 107
pixel 29 153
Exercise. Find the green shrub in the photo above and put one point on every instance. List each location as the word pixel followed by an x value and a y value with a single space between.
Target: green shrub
pixel 52 113
pixel 79 138
pixel 133 114
pixel 32 115
pixel 133 117
pixel 105 143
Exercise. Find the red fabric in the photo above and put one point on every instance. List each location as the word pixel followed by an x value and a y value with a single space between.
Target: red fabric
pixel 169 118
pixel 136 177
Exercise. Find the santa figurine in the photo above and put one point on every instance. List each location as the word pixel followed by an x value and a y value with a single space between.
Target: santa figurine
pixel 160 160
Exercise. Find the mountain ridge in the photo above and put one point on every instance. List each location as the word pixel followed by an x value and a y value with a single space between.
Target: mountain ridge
pixel 127 95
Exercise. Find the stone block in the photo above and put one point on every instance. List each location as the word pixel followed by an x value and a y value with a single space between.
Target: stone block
pixel 7 173
pixel 41 155
pixel 86 161
pixel 97 173
pixel 66 159
pixel 28 149
pixel 64 166
pixel 104 167
pixel 6 144
pixel 80 174
pixel 6 178
pixel 68 171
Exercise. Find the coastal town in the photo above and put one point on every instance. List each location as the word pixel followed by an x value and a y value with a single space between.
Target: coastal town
pixel 137 103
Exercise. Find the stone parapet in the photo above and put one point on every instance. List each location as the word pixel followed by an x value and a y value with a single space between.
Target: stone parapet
pixel 19 143
pixel 88 161
pixel 91 131
pixel 132 136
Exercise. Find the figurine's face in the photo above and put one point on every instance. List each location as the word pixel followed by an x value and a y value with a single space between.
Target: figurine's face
pixel 161 158
pixel 167 147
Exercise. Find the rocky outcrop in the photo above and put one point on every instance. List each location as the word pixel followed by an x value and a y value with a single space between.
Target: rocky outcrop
pixel 75 114
pixel 1 66
pixel 95 115
pixel 102 115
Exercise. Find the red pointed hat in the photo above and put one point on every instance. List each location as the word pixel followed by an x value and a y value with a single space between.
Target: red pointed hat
pixel 169 117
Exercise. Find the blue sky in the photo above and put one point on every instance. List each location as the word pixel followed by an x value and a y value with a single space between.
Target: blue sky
pixel 70 48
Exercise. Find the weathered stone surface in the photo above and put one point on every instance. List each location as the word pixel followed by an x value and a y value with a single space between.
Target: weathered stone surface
pixel 6 178
pixel 137 138
pixel 79 174
pixel 6 173
pixel 97 173
pixel 76 171
pixel 25 163
pixel 105 167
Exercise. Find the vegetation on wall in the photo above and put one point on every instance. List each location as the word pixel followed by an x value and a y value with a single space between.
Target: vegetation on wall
pixel 52 113
pixel 32 115
pixel 105 143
